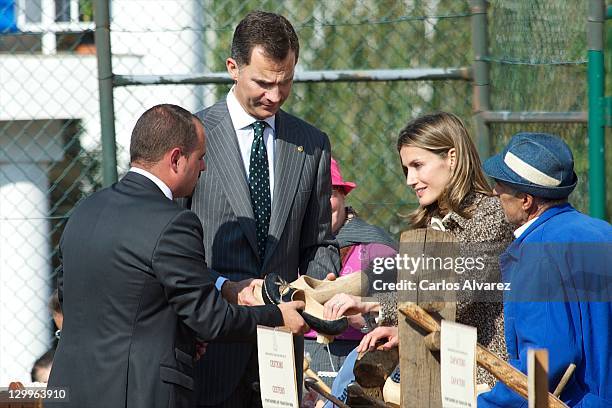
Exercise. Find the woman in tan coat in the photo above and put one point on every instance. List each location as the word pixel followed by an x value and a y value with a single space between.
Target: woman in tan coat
pixel 442 167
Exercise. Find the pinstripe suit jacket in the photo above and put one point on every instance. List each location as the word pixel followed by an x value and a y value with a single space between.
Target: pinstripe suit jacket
pixel 299 236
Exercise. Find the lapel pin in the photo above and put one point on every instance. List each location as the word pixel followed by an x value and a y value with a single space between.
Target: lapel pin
pixel 300 149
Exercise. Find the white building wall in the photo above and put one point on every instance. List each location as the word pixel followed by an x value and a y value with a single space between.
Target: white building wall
pixel 167 41
pixel 64 86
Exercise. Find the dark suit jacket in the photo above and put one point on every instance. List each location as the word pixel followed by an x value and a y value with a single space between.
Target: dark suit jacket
pixel 299 236
pixel 135 293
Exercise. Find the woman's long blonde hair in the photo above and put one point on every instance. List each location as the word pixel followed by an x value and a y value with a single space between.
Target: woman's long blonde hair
pixel 438 133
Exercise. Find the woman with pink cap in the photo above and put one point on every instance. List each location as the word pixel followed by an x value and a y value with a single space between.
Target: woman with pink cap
pixel 359 243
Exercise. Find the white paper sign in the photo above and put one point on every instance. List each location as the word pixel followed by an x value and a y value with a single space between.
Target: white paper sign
pixel 458 365
pixel 276 368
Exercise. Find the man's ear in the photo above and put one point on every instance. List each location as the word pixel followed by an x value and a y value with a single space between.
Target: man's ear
pixel 174 157
pixel 232 68
pixel 527 202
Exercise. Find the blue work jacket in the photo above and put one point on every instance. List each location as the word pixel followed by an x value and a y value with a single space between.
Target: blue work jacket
pixel 560 271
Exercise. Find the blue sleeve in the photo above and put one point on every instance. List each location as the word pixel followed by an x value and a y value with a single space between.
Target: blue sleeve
pixel 546 325
pixel 554 326
pixel 220 281
pixel 344 378
pixel 501 397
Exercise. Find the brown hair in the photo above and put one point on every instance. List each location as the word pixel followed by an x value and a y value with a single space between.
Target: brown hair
pixel 438 133
pixel 160 129
pixel 54 303
pixel 271 31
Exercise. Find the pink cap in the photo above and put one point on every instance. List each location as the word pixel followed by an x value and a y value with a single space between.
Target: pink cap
pixel 336 178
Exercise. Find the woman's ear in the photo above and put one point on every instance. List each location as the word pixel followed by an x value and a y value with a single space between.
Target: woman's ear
pixel 452 157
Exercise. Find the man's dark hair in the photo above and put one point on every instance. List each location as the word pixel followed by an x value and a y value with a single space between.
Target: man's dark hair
pixel 161 128
pixel 43 361
pixel 54 303
pixel 273 32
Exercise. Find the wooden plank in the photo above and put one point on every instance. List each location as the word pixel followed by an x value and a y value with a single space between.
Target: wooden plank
pixel 537 378
pixel 503 371
pixel 420 368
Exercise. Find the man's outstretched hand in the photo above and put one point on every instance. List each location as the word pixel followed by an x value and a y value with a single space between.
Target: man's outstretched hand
pixel 292 319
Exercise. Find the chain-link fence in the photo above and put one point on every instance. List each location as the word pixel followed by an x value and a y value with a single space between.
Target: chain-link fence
pixel 361 118
pixel 538 63
pixel 49 159
pixel 49 116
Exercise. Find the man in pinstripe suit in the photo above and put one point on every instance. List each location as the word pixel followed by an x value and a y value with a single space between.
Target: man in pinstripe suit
pixel 297 173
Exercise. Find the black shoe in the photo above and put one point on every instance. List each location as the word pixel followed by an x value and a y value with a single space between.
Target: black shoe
pixel 276 290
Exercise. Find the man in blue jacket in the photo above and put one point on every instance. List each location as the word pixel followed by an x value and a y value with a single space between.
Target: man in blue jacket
pixel 559 271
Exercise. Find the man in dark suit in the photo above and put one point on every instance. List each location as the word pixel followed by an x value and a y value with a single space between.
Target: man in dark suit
pixel 135 288
pixel 264 200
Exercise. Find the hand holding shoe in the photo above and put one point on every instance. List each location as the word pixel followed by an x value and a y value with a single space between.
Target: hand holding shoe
pixel 342 304
pixel 277 291
pixel 246 296
pixel 242 292
pixel 292 319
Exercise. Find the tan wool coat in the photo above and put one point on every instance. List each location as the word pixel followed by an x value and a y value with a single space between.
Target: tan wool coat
pixel 487 226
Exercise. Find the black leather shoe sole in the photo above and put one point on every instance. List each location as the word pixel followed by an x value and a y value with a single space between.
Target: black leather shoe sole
pixel 329 327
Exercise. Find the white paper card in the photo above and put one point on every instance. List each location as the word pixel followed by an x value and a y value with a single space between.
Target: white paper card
pixel 276 368
pixel 458 365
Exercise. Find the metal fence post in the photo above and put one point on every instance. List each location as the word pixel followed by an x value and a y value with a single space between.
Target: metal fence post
pixel 105 86
pixel 596 126
pixel 480 67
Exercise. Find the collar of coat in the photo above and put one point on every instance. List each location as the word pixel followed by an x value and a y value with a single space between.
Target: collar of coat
pixel 360 232
pixel 544 217
pixel 470 203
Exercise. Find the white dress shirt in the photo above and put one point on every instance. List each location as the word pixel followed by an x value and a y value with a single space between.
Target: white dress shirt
pixel 243 122
pixel 162 186
pixel 519 231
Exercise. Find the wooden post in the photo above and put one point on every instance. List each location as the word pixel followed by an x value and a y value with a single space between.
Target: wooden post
pixel 420 368
pixel 537 376
pixel 503 371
